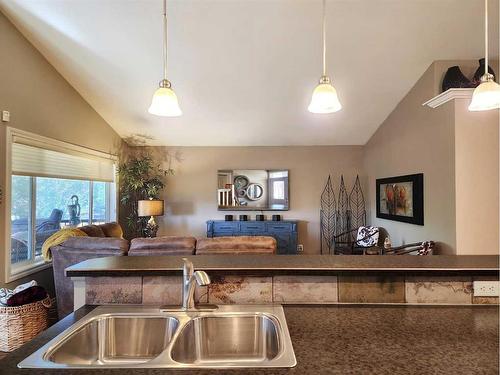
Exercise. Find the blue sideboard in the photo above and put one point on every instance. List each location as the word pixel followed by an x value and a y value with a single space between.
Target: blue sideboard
pixel 285 232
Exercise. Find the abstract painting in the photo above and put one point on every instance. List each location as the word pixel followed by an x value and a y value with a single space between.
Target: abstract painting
pixel 401 198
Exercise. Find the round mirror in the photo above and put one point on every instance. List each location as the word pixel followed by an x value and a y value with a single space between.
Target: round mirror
pixel 254 191
pixel 240 182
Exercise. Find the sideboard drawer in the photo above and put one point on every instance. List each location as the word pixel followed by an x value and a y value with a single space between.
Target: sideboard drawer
pixel 279 227
pixel 226 226
pixel 252 227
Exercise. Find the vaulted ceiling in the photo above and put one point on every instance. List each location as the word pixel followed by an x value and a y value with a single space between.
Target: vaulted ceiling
pixel 244 70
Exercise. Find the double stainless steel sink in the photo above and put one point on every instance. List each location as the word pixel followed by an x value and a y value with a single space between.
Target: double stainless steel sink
pixel 146 337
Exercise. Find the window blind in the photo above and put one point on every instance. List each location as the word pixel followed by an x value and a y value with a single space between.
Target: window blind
pixel 30 160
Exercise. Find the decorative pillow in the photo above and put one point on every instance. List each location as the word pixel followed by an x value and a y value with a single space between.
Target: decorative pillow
pixel 92 230
pixel 367 236
pixel 112 230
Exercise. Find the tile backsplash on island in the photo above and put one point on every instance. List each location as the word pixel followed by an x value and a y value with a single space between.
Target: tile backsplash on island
pixel 288 289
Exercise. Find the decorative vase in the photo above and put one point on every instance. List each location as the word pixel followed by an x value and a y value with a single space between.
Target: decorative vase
pixel 243 217
pixel 260 217
pixel 74 211
pixel 228 217
pixel 454 79
pixel 276 217
pixel 476 80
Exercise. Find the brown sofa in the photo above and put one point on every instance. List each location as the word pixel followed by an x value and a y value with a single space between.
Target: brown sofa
pixel 236 245
pixel 165 245
pixel 106 240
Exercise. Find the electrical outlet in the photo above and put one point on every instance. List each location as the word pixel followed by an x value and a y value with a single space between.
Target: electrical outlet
pixel 486 288
pixel 300 248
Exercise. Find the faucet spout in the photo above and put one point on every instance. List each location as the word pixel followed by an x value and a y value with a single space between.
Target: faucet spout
pixel 202 278
pixel 188 283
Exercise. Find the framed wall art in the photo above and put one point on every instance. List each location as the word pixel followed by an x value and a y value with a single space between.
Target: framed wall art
pixel 401 198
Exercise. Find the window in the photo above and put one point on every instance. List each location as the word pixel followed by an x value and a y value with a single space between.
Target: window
pixel 50 190
pixel 278 189
pixel 21 235
pixel 42 205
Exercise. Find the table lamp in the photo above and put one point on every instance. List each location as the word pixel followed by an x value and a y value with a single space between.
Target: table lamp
pixel 152 208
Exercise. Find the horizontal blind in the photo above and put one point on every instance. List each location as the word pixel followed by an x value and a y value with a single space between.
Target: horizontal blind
pixel 35 161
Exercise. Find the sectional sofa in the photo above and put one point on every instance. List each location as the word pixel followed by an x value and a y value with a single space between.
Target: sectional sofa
pixel 107 240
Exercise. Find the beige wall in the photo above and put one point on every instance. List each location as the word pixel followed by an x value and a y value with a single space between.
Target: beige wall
pixel 41 101
pixel 191 197
pixel 458 153
pixel 417 139
pixel 476 177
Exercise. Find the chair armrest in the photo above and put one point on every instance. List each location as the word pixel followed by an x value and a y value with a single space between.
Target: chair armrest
pixel 344 233
pixel 47 225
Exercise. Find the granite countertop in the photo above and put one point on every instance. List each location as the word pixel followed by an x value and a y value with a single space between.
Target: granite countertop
pixel 352 339
pixel 282 264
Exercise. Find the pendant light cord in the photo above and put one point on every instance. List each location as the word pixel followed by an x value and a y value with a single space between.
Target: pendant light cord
pixel 324 37
pixel 164 39
pixel 486 37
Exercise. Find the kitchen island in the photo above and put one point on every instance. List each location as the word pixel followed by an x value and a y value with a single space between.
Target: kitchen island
pixel 351 339
pixel 287 279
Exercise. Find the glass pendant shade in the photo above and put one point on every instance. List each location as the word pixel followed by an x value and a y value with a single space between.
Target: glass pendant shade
pixel 324 98
pixel 165 102
pixel 486 96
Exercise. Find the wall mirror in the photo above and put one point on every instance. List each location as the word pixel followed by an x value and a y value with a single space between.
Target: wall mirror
pixel 252 190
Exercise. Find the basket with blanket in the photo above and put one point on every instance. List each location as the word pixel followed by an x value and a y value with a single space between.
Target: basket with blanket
pixel 23 314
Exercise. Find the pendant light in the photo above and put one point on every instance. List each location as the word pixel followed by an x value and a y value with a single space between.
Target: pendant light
pixel 324 98
pixel 165 101
pixel 486 96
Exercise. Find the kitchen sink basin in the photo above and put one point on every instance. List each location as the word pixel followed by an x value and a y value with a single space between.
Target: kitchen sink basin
pixel 218 339
pixel 149 337
pixel 115 339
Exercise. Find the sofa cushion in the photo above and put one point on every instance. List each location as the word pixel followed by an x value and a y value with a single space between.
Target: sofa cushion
pixel 112 230
pixel 92 230
pixel 116 246
pixel 160 251
pixel 236 245
pixel 164 245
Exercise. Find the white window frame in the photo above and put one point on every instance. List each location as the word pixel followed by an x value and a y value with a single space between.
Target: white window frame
pixel 15 272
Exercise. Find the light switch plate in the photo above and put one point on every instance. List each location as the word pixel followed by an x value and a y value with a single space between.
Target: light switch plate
pixel 5 116
pixel 486 288
pixel 300 248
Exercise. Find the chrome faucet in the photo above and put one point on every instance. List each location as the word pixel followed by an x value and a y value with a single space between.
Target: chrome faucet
pixel 188 283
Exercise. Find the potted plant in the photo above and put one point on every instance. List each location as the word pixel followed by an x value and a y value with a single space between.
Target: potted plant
pixel 139 178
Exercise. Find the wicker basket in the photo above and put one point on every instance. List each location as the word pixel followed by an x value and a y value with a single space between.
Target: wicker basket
pixel 21 323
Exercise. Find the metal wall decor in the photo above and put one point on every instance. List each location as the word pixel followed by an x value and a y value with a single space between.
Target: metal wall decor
pixel 340 216
pixel 253 190
pixel 357 209
pixel 328 212
pixel 342 225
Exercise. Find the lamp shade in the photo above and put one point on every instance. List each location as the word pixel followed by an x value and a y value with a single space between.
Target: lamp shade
pixel 150 207
pixel 324 98
pixel 486 96
pixel 165 103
